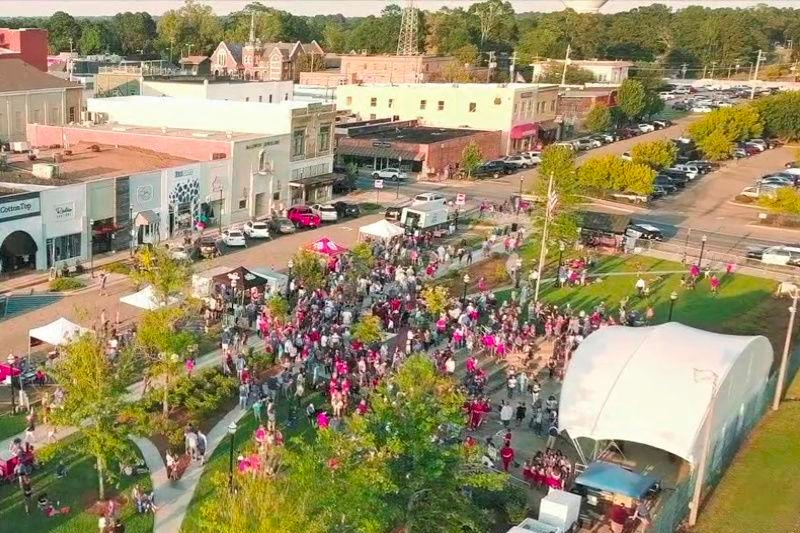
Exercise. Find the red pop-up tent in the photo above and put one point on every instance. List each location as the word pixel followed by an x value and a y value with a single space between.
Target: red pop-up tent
pixel 325 246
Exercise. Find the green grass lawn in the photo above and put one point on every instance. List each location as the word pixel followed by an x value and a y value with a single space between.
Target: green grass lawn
pixel 760 491
pixel 78 490
pixel 219 461
pixel 11 425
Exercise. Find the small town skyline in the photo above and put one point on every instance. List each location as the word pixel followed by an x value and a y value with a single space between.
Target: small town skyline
pixel 32 8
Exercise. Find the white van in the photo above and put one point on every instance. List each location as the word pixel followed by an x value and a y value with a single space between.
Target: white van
pixel 429 198
pixel 781 255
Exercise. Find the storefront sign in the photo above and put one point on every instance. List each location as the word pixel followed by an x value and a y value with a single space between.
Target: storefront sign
pixel 525 95
pixel 381 144
pixel 65 211
pixel 20 208
pixel 144 194
pixel 261 144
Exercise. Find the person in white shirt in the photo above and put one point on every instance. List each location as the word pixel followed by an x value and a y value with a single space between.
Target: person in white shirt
pixel 506 413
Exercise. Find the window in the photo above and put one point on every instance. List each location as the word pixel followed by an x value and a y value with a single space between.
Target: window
pixel 472 107
pixel 63 248
pixel 373 102
pixel 285 96
pixel 246 98
pixel 349 100
pixel 264 164
pixel 498 101
pixel 242 203
pixel 72 114
pixel 221 58
pixel 298 143
pixel 391 101
pixel 552 105
pixel 270 99
pixel 372 116
pixel 324 138
pixel 440 105
pixel 35 117
pixel 423 104
pixel 276 191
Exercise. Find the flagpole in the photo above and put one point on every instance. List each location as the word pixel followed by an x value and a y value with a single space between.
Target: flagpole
pixel 543 250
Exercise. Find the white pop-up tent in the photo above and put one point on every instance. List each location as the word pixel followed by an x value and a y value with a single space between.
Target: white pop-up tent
pixel 57 333
pixel 382 229
pixel 655 385
pixel 146 299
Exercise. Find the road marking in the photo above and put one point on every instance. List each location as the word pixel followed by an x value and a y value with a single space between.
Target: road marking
pixel 346 228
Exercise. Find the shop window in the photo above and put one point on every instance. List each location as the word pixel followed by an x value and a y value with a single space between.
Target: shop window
pixel 63 248
pixel 270 99
pixel 472 107
pixel 349 100
pixel 242 203
pixel 391 102
pixel 373 116
pixel 440 105
pixel 324 138
pixel 373 102
pixel 263 162
pixel 260 98
pixel 246 98
pixel 72 114
pixel 298 143
pixel 423 104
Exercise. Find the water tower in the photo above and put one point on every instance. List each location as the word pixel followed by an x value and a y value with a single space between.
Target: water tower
pixel 584 6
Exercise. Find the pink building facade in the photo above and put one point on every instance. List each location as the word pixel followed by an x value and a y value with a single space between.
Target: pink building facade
pixel 28 44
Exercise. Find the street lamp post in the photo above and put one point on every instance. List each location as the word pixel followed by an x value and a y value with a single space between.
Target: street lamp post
pixel 232 433
pixel 133 229
pixel 466 282
pixel 702 249
pixel 519 198
pixel 290 264
pixel 91 247
pixel 672 297
pixel 776 400
pixel 561 248
pixel 399 170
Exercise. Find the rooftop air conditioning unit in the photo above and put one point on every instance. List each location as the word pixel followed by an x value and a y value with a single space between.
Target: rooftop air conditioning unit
pixel 45 170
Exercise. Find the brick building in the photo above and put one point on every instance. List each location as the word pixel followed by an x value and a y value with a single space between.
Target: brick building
pixel 360 68
pixel 27 44
pixel 574 104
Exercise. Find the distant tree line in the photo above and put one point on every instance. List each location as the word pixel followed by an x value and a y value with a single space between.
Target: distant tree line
pixel 696 39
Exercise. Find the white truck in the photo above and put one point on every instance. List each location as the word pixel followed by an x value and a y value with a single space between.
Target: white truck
pixel 424 216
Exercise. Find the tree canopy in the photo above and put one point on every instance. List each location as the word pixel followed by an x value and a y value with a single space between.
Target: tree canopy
pixel 655 154
pixel 598 119
pixel 717 133
pixel 612 173
pixel 780 114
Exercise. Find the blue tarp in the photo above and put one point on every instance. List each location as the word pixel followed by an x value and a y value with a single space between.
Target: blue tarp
pixel 609 477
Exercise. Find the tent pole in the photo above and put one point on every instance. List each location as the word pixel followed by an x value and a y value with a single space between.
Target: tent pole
pixel 579 450
pixel 596 448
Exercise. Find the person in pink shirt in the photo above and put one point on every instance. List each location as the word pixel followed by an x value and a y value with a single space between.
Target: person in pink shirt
pixel 323 421
pixel 714 284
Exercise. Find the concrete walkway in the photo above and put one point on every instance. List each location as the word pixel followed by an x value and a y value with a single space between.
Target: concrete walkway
pixel 173 497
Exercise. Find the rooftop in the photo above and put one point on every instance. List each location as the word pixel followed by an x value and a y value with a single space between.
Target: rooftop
pixel 476 86
pixel 589 62
pixel 418 135
pixel 588 93
pixel 87 165
pixel 199 103
pixel 167 132
pixel 17 75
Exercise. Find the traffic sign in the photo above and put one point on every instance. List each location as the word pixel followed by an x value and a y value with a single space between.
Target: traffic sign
pixel 461 199
pixel 379 184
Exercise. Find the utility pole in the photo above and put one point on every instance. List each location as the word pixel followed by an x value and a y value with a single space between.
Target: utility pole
pixel 512 67
pixel 491 65
pixel 70 45
pixel 713 66
pixel 684 69
pixel 776 400
pixel 759 59
pixel 705 67
pixel 548 213
pixel 566 64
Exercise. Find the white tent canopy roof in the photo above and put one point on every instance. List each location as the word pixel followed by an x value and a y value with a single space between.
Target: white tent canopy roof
pixel 146 299
pixel 382 229
pixel 653 385
pixel 57 333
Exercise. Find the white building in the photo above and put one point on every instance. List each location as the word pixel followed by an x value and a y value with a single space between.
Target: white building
pixel 232 90
pixel 524 112
pixel 308 124
pixel 611 72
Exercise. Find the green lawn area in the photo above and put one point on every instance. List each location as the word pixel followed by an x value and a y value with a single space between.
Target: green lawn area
pixel 219 461
pixel 760 491
pixel 78 490
pixel 11 425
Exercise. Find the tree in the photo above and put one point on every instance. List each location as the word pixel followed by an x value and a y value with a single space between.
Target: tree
pixel 717 132
pixel 63 32
pixel 455 73
pixel 598 119
pixel 716 146
pixel 632 99
pixel 334 38
pixel 612 173
pixel 135 32
pixel 278 307
pixel 655 154
pixel 785 201
pixel 553 71
pixel 367 330
pixel 94 390
pixel 558 162
pixel 193 25
pixel 310 63
pixel 157 268
pixel 780 114
pixel 466 54
pixel 436 298
pixel 495 22
pixel 91 41
pixel 471 158
pixel 309 269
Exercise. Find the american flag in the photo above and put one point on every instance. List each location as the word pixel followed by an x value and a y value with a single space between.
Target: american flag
pixel 552 203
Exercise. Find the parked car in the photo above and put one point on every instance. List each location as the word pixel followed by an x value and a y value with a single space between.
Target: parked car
pixel 207 247
pixel 393 213
pixel 608 137
pixel 326 212
pixel 233 237
pixel 691 171
pixel 679 177
pixel 757 191
pixel 701 109
pixel 565 145
pixel 750 149
pixel 256 229
pixel 428 198
pixel 492 168
pixel 660 124
pixel 627 156
pixel 646 128
pixel 535 156
pixel 519 161
pixel 630 131
pixel 776 180
pixel 344 185
pixel 760 146
pixel 180 253
pixel 704 165
pixel 666 182
pixel 776 255
pixel 585 143
pixel 303 217
pixel 282 225
pixel 391 173
pixel 659 191
pixel 644 231
pixel 346 210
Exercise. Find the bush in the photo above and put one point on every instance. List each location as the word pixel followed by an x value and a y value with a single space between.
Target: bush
pixel 65 284
pixel 119 267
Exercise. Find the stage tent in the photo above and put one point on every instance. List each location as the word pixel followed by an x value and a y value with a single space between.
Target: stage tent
pixel 57 333
pixel 146 299
pixel 325 246
pixel 382 229
pixel 654 385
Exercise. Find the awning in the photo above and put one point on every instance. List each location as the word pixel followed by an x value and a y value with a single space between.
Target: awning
pixel 324 179
pixel 378 151
pixel 19 243
pixel 145 218
pixel 520 131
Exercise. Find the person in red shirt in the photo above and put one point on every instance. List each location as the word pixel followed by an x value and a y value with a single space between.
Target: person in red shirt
pixel 507 455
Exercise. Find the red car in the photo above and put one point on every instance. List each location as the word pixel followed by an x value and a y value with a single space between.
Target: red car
pixel 302 217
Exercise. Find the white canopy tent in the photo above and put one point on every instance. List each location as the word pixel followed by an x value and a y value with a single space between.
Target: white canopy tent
pixel 382 229
pixel 654 385
pixel 57 333
pixel 146 299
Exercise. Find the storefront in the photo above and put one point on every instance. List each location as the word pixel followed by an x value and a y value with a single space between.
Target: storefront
pixel 100 215
pixel 312 190
pixel 377 155
pixel 22 246
pixel 185 189
pixel 62 219
pixel 145 207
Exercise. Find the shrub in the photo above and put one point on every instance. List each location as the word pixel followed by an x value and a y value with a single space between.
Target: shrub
pixel 65 284
pixel 120 267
